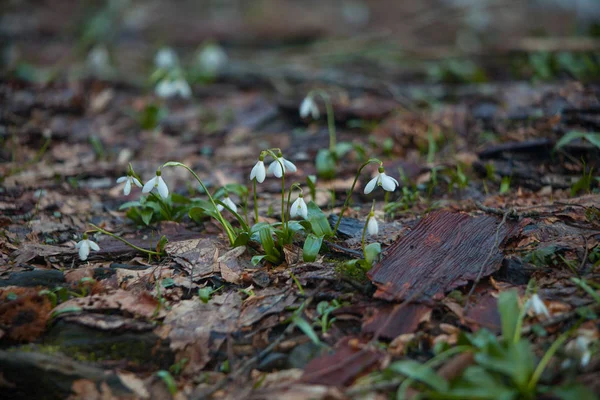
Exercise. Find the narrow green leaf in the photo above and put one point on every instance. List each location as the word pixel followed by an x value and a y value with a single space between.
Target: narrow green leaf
pixel 325 163
pixel 372 252
pixel 421 373
pixel 508 306
pixel 311 248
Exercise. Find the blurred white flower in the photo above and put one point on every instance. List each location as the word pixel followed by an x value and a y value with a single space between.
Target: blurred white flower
pixel 309 106
pixel 129 179
pixel 158 183
pixel 212 58
pixel 538 307
pixel 372 225
pixel 166 58
pixel 299 208
pixel 98 59
pixel 258 171
pixel 227 201
pixel 84 246
pixel 169 88
pixel 579 348
pixel 279 166
pixel 387 182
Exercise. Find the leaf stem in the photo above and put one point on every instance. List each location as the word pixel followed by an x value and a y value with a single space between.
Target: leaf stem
pixel 128 243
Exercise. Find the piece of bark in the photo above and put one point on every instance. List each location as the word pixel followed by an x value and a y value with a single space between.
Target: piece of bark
pixel 444 251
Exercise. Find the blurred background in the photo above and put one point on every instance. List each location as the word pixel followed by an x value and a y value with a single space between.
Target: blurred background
pixel 429 40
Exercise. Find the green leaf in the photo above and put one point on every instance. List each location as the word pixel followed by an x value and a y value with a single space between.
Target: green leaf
pixel 342 148
pixel 146 215
pixel 168 380
pixel 318 221
pixel 197 214
pixel 130 204
pixel 266 239
pixel 306 328
pixel 508 306
pixel 593 138
pixel 241 240
pixel 257 259
pixel 421 373
pixel 574 392
pixel 311 248
pixel 372 252
pixel 325 163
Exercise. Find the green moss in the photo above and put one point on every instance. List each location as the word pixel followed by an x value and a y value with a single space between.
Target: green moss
pixel 351 269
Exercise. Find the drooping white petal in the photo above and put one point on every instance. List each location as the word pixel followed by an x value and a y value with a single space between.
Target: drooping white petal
pixel 220 207
pixel 227 201
pixel 78 245
pixel 288 165
pixel 276 169
pixel 127 188
pixel 305 107
pixel 166 58
pixel 183 88
pixel 163 190
pixel 536 304
pixel 165 89
pixel 122 179
pixel 372 226
pixel 136 181
pixel 371 185
pixel 258 172
pixel 299 209
pixel 84 250
pixel 149 185
pixel 387 182
pixel 94 246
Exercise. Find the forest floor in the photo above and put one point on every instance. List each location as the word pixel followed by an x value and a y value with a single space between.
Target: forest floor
pixel 498 205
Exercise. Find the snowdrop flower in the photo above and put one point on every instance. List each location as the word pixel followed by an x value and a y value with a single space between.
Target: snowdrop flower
pixel 372 225
pixel 98 59
pixel 309 106
pixel 158 183
pixel 84 246
pixel 170 88
pixel 579 348
pixel 387 182
pixel 166 58
pixel 258 171
pixel 212 58
pixel 276 169
pixel 536 304
pixel 129 179
pixel 227 201
pixel 299 208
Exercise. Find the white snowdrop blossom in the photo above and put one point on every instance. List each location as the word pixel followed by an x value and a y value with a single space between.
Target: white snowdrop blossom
pixel 170 88
pixel 258 171
pixel 299 208
pixel 579 348
pixel 84 246
pixel 129 179
pixel 166 58
pixel 212 58
pixel 98 59
pixel 158 183
pixel 309 106
pixel 538 307
pixel 227 201
pixel 280 165
pixel 385 181
pixel 372 225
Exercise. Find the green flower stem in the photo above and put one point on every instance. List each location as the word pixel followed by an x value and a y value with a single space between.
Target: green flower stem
pixel 364 234
pixel 547 357
pixel 255 201
pixel 330 118
pixel 283 220
pixel 349 194
pixel 230 234
pixel 133 246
